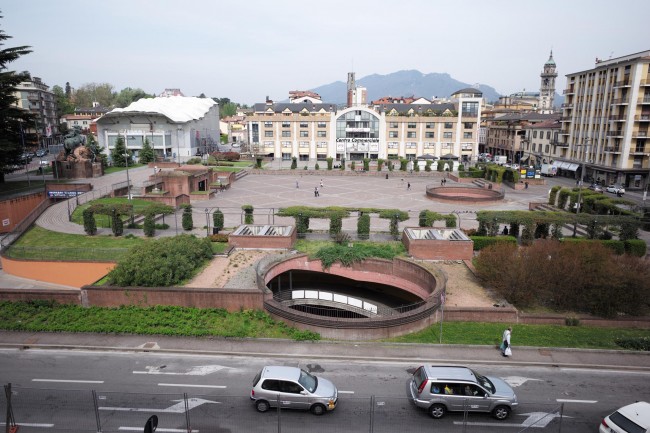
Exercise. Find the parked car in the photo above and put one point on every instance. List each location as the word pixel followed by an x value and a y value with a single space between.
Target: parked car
pixel 442 389
pixel 40 153
pixel 595 187
pixel 615 189
pixel 633 418
pixel 293 388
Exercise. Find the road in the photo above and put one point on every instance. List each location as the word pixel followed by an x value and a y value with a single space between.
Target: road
pixel 53 391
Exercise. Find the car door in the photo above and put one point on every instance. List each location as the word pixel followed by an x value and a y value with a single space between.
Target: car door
pixel 292 396
pixel 475 398
pixel 453 396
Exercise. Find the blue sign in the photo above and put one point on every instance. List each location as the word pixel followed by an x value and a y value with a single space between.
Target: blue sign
pixel 63 194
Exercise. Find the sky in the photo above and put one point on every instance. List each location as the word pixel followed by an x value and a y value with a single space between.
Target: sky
pixel 249 50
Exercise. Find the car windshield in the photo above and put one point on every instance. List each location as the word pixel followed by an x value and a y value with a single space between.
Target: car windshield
pixel 309 382
pixel 625 423
pixel 484 382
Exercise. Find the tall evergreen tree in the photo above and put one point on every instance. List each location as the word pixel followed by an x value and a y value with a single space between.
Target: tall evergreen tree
pixel 118 152
pixel 12 118
pixel 147 153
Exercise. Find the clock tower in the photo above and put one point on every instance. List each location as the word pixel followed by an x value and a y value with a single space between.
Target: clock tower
pixel 547 88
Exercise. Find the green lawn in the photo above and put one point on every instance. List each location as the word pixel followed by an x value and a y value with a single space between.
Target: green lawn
pixel 103 221
pixel 524 335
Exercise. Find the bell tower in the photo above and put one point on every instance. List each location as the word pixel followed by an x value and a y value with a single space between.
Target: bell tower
pixel 547 88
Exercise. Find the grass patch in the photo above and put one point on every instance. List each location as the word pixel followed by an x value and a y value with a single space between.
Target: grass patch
pixel 160 320
pixel 104 221
pixel 523 335
pixel 219 247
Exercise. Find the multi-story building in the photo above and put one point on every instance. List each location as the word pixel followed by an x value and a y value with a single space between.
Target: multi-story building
pixel 316 131
pixel 36 97
pixel 505 134
pixel 540 145
pixel 606 119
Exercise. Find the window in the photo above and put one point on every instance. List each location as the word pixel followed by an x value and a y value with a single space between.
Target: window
pixel 548 135
pixel 286 133
pixel 392 124
pixel 469 125
pixel 449 125
pixel 268 133
pixel 429 134
pixel 290 387
pixel 322 125
pixel 446 135
pixel 393 145
pixel 393 134
pixel 286 144
pixel 467 135
pixel 411 125
pixel 304 144
pixel 322 145
pixel 429 125
pixel 271 385
pixel 303 124
pixel 470 109
pixel 410 134
pixel 286 124
pixel 321 133
pixel 268 143
pixel 268 124
pixel 411 145
pixel 304 133
pixel 534 134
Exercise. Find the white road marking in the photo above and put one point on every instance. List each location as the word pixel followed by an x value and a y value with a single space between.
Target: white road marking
pixel 67 381
pixel 179 407
pixel 563 400
pixel 171 430
pixel 201 370
pixel 346 392
pixel 587 370
pixel 26 424
pixel 191 386
pixel 515 381
pixel 534 420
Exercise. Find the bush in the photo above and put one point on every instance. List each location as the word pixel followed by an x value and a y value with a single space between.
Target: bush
pixel 363 226
pixel 248 213
pixel 330 162
pixel 638 343
pixel 402 164
pixel 481 242
pixel 366 164
pixel 440 166
pixel 258 162
pixel 149 225
pixel 161 263
pixel 225 156
pixel 394 227
pixel 571 321
pixel 193 161
pixel 90 226
pixel 316 167
pixel 342 164
pixel 218 238
pixel 336 223
pixel 302 225
pixel 217 219
pixel 380 164
pixel 353 166
pixel 427 166
pixel 117 226
pixel 187 222
pixel 636 247
pixel 294 163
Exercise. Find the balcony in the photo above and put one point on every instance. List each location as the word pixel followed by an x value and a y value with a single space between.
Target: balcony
pixel 567 105
pixel 568 91
pixel 615 133
pixel 624 83
pixel 617 117
pixel 642 118
pixel 559 143
pixel 565 119
pixel 640 134
pixel 612 149
pixel 564 132
pixel 645 83
pixel 645 100
pixel 620 101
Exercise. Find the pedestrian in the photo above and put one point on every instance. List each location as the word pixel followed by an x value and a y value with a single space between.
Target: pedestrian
pixel 505 230
pixel 526 183
pixel 408 186
pixel 316 192
pixel 505 343
pixel 321 183
pixel 442 182
pixel 297 186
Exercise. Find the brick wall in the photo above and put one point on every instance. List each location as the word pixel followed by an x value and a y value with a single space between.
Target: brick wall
pixel 430 249
pixel 263 242
pixel 59 296
pixel 13 211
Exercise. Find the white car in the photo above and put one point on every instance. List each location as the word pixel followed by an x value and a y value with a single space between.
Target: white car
pixel 633 418
pixel 615 189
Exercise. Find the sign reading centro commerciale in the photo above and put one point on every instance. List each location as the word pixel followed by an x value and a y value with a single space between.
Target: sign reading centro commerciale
pixel 357 140
pixel 63 194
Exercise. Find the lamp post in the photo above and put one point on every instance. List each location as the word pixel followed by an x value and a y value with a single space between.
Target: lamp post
pixel 128 181
pixel 582 178
pixel 207 222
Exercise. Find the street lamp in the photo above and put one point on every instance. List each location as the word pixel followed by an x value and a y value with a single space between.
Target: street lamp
pixel 128 181
pixel 582 178
pixel 207 221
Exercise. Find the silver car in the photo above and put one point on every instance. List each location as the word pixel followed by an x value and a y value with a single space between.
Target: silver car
pixel 442 389
pixel 293 388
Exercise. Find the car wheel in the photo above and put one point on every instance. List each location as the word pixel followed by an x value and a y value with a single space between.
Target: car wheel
pixel 437 411
pixel 318 409
pixel 501 412
pixel 262 405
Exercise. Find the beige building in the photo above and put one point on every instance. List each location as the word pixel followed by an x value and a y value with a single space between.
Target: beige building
pixel 540 145
pixel 316 131
pixel 36 97
pixel 606 115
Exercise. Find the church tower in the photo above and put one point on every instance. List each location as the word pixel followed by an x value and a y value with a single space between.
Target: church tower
pixel 547 89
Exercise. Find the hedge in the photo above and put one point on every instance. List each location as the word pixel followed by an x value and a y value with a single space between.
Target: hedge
pixel 481 242
pixel 363 226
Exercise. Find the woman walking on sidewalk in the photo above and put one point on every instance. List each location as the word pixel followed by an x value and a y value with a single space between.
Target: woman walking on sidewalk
pixel 505 343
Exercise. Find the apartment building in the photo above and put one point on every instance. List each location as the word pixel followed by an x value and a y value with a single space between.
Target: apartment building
pixel 540 145
pixel 317 130
pixel 36 97
pixel 606 118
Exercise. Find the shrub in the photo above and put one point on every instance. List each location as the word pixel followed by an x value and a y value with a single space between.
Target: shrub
pixel 217 219
pixel 440 166
pixel 617 247
pixel 218 238
pixel 363 226
pixel 330 162
pixel 366 164
pixel 316 167
pixel 187 222
pixel 149 225
pixel 461 167
pixel 336 223
pixel 341 238
pixel 394 227
pixel 390 166
pixel 353 165
pixel 294 163
pixel 302 225
pixel 380 164
pixel 427 166
pixel 193 161
pixel 248 213
pixel 90 226
pixel 161 263
pixel 572 321
pixel 342 164
pixel 116 224
pixel 402 164
pixel 635 247
pixel 638 343
pixel 258 162
pixel 416 166
pixel 482 242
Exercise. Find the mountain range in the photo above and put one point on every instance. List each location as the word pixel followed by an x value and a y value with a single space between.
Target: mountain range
pixel 405 83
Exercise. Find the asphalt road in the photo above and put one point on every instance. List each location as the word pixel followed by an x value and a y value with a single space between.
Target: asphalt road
pixel 53 390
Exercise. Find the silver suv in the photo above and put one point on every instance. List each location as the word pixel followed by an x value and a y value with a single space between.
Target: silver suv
pixel 292 388
pixel 439 389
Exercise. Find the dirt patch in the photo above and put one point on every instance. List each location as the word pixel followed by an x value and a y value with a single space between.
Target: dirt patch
pixel 463 288
pixel 222 269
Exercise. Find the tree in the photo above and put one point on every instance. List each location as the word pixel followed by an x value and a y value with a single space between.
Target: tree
pixel 101 93
pixel 147 154
pixel 68 90
pixel 63 104
pixel 128 96
pixel 96 150
pixel 229 109
pixel 186 221
pixel 12 118
pixel 118 152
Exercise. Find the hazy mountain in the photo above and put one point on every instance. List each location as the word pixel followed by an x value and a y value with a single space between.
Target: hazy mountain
pixel 403 83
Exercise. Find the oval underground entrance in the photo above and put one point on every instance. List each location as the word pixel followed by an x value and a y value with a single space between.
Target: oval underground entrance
pixel 328 295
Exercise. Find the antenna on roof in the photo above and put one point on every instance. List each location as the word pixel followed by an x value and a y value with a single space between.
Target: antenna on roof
pixel 610 54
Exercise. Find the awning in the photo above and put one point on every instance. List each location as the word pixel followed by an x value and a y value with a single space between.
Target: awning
pixel 572 167
pixel 563 165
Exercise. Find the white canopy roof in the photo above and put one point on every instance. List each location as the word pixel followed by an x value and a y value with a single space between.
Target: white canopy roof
pixel 175 108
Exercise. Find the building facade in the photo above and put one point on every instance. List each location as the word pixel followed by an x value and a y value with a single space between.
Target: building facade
pixel 36 97
pixel 316 131
pixel 547 87
pixel 540 145
pixel 176 127
pixel 606 119
pixel 506 134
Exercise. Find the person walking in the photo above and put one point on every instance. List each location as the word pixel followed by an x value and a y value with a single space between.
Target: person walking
pixel 505 343
pixel 526 183
pixel 315 191
pixel 297 186
pixel 408 186
pixel 321 183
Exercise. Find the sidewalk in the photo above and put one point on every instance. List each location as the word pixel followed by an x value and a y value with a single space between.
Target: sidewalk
pixel 350 351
